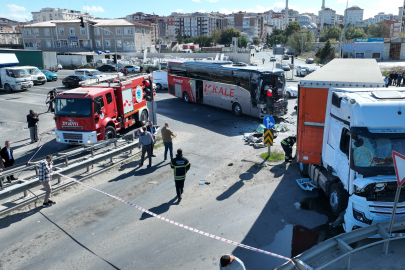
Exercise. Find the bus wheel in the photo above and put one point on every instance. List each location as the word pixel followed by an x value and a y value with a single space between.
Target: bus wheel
pixel 186 97
pixel 303 169
pixel 109 133
pixel 144 117
pixel 8 88
pixel 237 109
pixel 338 198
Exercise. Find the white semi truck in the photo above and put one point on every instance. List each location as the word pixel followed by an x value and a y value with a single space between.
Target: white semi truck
pixel 13 77
pixel 348 126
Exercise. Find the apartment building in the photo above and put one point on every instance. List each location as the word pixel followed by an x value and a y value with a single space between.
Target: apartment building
pixel 49 14
pixel 339 17
pixel 250 23
pixel 381 16
pixel 10 34
pixel 109 34
pixel 329 18
pixel 198 24
pixel 395 28
pixel 353 14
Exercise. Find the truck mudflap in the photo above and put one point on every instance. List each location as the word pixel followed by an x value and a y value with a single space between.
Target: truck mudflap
pixel 75 138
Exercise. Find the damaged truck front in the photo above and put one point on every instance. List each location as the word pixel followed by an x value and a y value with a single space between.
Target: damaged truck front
pixel 348 126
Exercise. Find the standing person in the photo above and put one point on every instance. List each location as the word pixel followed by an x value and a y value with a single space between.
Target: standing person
pixel 148 71
pixel 150 128
pixel 8 156
pixel 287 145
pixel 394 81
pixel 181 165
pixel 167 136
pixel 399 80
pixel 229 262
pixel 32 120
pixel 391 78
pixel 263 60
pixel 386 81
pixel 52 96
pixel 146 141
pixel 45 177
pixel 141 69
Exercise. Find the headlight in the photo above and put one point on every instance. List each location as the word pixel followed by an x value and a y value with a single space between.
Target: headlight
pixel 360 216
pixel 88 141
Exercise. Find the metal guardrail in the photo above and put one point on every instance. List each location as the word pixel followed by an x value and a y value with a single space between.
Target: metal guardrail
pixel 120 145
pixel 342 243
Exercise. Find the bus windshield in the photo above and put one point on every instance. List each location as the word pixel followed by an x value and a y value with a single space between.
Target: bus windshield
pixel 73 107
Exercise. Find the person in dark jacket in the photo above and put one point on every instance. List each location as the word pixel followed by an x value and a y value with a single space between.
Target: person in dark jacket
pixel 52 96
pixel 32 120
pixel 391 78
pixel 8 156
pixel 181 165
pixel 287 145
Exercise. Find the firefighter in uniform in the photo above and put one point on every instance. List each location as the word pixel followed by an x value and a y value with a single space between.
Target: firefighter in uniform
pixel 181 165
pixel 287 145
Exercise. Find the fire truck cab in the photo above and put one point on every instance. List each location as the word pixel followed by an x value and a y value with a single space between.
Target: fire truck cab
pixel 98 111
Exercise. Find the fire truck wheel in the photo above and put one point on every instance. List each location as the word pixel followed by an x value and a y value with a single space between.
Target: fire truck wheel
pixel 186 97
pixel 237 109
pixel 338 198
pixel 8 88
pixel 109 133
pixel 144 117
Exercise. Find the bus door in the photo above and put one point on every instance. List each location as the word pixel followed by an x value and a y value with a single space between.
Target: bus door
pixel 199 85
pixel 193 97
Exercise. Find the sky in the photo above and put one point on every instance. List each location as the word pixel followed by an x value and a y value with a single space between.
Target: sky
pixel 20 10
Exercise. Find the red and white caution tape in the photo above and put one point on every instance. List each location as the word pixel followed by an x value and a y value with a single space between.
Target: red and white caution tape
pixel 179 224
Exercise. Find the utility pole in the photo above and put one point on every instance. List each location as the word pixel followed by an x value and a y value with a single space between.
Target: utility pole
pixel 302 41
pixel 286 14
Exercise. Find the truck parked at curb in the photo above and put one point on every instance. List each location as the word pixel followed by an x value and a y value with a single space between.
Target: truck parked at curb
pixel 13 77
pixel 99 109
pixel 348 126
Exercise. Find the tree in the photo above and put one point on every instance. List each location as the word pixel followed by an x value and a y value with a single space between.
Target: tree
pixel 159 40
pixel 268 39
pixel 381 30
pixel 227 35
pixel 256 41
pixel 216 36
pixel 243 41
pixel 298 40
pixel 326 53
pixel 291 28
pixel 180 38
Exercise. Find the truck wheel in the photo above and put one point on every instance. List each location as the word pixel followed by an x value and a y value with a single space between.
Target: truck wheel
pixel 303 169
pixel 338 198
pixel 186 97
pixel 8 88
pixel 109 133
pixel 158 86
pixel 144 117
pixel 237 109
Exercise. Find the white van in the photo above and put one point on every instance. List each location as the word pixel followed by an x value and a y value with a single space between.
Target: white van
pixel 15 78
pixel 160 79
pixel 91 73
pixel 36 75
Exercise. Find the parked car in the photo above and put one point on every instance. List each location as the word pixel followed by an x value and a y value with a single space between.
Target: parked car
pixel 265 47
pixel 50 76
pixel 74 80
pixel 302 71
pixel 291 91
pixel 285 57
pixel 252 64
pixel 132 69
pixel 285 67
pixel 60 66
pixel 273 58
pixel 91 73
pixel 107 68
pixel 309 61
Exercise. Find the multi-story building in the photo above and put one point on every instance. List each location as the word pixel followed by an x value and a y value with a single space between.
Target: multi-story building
pixel 395 28
pixel 381 16
pixel 250 23
pixel 277 23
pixel 362 23
pixel 353 14
pixel 10 34
pixel 198 24
pixel 170 28
pixel 339 17
pixel 329 17
pixel 49 14
pixel 148 19
pixel 109 34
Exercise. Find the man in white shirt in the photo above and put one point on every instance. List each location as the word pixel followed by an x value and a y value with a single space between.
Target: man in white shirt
pixel 229 262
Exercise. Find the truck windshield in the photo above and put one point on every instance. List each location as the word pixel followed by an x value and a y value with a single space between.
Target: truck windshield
pixel 19 73
pixel 376 152
pixel 73 107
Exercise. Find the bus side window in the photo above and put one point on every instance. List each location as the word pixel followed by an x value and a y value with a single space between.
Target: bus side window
pixel 242 78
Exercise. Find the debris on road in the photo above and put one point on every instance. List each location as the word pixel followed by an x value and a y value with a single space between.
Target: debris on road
pixel 202 182
pixel 306 184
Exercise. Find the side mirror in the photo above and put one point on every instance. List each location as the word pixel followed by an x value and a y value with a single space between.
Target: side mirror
pixel 359 143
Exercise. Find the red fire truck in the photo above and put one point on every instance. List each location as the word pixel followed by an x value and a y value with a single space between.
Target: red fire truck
pixel 97 111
